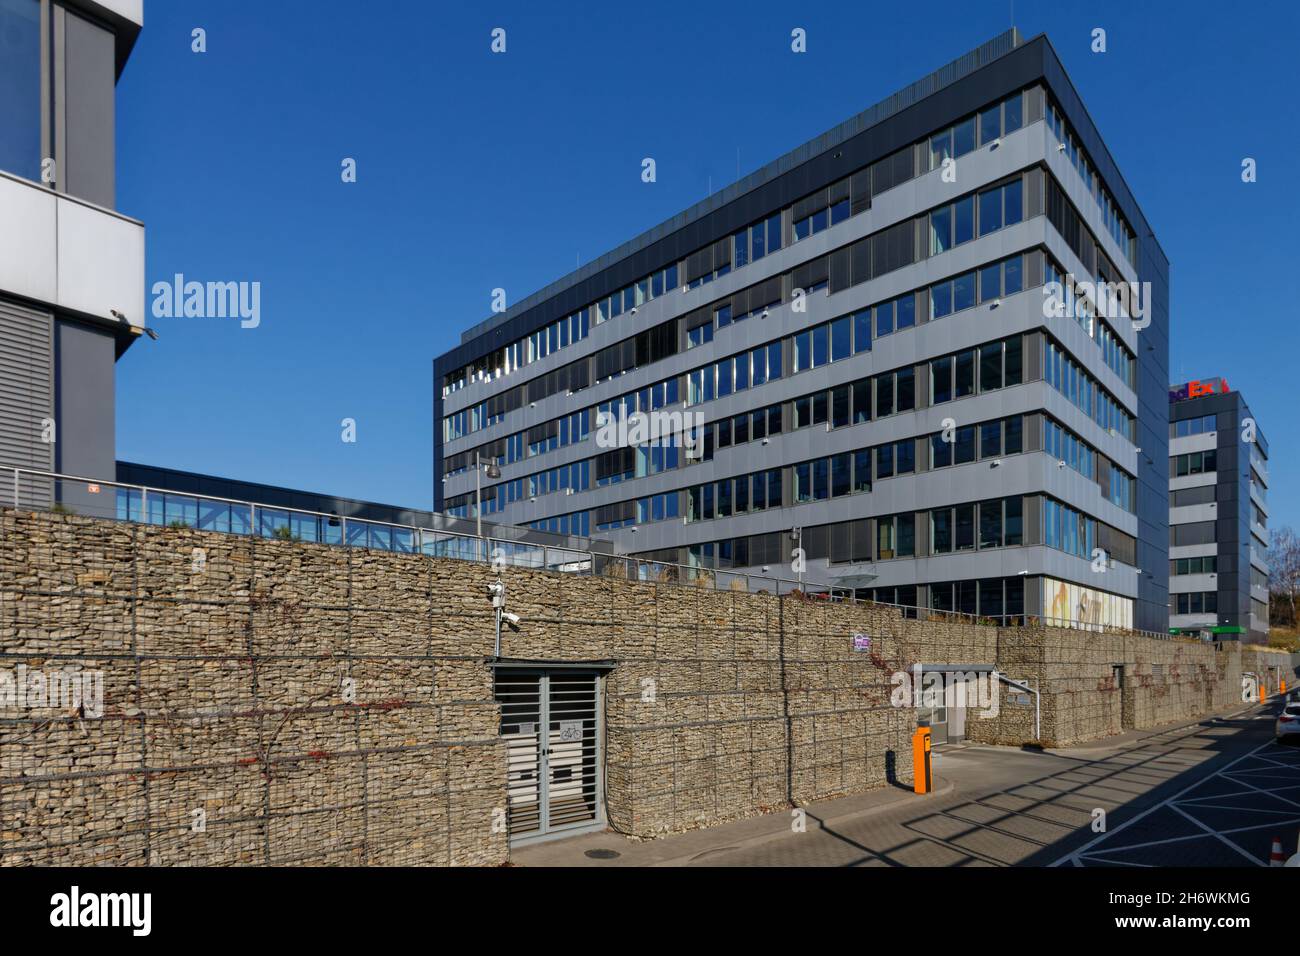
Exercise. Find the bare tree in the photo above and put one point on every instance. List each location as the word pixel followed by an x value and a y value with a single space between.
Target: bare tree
pixel 1284 566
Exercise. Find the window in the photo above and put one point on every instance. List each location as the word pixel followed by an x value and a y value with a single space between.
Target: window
pixel 1013 208
pixel 1203 565
pixel 940 380
pixel 1197 602
pixel 884 318
pixel 905 456
pixel 990 124
pixel 990 366
pixel 990 211
pixel 940 148
pixel 963 291
pixel 941 531
pixel 940 300
pixel 963 137
pixel 1196 463
pixel 905 309
pixel 1012 525
pixel 20 87
pixel 905 389
pixel 1011 114
pixel 885 461
pixel 990 524
pixel 841 475
pixel 963 451
pixel 940 452
pixel 963 220
pixel 862 331
pixel 840 334
pixel 885 539
pixel 991 439
pixel 964 527
pixel 884 395
pixel 862 470
pixel 1013 435
pixel 839 406
pixel 965 374
pixel 861 401
pixel 940 230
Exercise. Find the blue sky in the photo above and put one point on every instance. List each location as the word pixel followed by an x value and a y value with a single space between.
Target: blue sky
pixel 478 171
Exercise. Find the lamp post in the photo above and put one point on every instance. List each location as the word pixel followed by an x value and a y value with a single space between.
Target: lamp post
pixel 480 468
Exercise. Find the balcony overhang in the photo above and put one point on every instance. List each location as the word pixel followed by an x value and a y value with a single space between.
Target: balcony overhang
pixel 71 256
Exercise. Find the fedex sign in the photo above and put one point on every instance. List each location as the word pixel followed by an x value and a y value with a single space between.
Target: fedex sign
pixel 1197 388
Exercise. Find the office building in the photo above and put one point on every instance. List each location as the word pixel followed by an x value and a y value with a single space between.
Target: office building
pixel 1218 514
pixel 71 265
pixel 897 342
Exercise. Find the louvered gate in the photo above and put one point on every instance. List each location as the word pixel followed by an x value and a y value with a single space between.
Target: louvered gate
pixel 551 723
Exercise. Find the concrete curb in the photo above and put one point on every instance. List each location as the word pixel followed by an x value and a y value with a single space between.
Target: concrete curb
pixel 814 823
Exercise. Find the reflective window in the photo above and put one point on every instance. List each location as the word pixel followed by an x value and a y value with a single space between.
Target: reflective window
pixel 20 88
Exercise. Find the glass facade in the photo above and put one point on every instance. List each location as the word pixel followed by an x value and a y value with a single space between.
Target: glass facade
pixel 20 88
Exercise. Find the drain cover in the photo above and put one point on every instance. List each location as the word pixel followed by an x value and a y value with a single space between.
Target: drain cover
pixel 602 854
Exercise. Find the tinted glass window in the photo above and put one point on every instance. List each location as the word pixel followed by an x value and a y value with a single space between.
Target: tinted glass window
pixel 941 380
pixel 964 220
pixel 906 312
pixel 20 87
pixel 990 211
pixel 1012 211
pixel 1011 114
pixel 963 137
pixel 990 124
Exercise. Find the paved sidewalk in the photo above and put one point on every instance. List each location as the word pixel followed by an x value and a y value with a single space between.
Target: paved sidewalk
pixel 697 846
pixel 993 806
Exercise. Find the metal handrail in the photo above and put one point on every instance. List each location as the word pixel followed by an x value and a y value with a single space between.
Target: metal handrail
pixel 686 575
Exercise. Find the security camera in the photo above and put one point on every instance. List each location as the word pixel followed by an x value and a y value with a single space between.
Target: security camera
pixel 511 619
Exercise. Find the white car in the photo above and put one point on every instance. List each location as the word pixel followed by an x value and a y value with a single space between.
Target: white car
pixel 1288 723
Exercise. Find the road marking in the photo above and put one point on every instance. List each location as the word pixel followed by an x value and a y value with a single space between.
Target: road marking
pixel 1216 834
pixel 1168 802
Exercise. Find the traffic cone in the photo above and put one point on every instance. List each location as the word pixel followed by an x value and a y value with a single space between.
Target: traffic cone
pixel 1275 858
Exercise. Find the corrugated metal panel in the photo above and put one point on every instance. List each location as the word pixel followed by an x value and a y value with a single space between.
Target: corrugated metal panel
pixel 26 399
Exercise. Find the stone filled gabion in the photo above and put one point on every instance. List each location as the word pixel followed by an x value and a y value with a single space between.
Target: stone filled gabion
pixel 276 702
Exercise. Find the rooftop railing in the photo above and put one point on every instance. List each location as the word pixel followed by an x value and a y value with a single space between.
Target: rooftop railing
pixel 118 501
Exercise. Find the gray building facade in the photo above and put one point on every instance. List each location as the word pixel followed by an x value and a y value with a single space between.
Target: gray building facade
pixel 889 339
pixel 71 265
pixel 1218 517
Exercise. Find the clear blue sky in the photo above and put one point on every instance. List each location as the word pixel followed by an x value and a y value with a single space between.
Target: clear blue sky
pixel 478 170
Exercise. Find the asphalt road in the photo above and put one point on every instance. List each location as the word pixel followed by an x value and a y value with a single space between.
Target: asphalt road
pixel 1210 794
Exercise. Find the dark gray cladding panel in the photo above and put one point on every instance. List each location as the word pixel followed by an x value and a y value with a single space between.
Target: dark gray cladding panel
pixel 88 155
pixel 26 387
pixel 85 390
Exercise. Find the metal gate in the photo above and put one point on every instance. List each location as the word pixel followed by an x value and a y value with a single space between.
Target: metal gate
pixel 552 724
